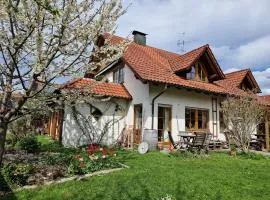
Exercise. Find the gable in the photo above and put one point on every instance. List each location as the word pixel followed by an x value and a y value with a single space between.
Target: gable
pixel 204 56
pixel 243 80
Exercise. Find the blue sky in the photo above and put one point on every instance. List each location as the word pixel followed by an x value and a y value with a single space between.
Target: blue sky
pixel 238 31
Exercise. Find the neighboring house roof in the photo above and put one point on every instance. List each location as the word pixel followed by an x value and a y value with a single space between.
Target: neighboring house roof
pixel 265 100
pixel 97 87
pixel 233 80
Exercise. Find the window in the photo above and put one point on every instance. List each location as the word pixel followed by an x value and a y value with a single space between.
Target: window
pixel 221 122
pixel 118 75
pixel 197 73
pixel 196 118
pixel 192 74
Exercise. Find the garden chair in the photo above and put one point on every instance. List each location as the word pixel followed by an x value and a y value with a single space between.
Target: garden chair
pixel 200 142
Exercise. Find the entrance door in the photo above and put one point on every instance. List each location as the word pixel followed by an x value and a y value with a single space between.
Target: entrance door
pixel 137 123
pixel 164 122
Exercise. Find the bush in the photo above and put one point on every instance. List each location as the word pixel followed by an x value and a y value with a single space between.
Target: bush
pixel 29 143
pixel 92 158
pixel 17 174
pixel 57 159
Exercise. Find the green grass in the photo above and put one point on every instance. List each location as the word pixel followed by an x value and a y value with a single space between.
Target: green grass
pixel 153 175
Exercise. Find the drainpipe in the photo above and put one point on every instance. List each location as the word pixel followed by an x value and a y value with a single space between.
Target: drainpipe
pixel 153 104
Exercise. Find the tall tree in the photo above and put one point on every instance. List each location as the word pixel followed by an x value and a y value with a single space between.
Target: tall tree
pixel 42 41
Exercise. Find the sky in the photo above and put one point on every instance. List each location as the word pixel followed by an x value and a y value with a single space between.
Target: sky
pixel 238 31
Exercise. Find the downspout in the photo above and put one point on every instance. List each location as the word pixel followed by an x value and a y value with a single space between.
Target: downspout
pixel 153 104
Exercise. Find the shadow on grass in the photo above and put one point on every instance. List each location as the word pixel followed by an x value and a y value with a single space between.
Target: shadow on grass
pixel 5 191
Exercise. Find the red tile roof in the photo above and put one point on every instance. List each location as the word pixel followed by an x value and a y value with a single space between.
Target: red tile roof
pixel 233 80
pixel 265 100
pixel 97 87
pixel 157 65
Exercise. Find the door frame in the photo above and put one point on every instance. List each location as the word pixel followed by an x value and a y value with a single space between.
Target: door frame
pixel 169 107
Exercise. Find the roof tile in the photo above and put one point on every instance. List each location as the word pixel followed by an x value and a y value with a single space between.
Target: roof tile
pixel 97 87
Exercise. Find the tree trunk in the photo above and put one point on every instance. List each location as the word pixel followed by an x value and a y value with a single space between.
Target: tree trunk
pixel 3 133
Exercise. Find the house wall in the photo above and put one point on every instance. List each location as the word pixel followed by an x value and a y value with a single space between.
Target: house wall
pixel 178 99
pixel 142 93
pixel 72 134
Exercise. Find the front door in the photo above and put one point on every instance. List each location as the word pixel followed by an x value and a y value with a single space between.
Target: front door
pixel 164 122
pixel 137 123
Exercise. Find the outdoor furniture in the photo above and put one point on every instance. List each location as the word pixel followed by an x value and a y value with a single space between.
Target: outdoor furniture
pixel 185 139
pixel 200 142
pixel 260 141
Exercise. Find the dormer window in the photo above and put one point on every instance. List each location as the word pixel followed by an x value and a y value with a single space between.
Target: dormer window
pixel 197 73
pixel 192 74
pixel 118 75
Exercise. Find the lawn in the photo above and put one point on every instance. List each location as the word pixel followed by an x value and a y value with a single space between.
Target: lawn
pixel 153 175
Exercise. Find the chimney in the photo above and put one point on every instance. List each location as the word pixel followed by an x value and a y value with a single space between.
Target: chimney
pixel 139 37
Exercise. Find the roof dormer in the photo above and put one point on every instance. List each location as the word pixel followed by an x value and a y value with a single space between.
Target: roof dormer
pixel 200 62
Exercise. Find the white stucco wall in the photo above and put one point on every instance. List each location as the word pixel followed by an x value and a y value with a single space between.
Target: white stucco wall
pixel 178 100
pixel 142 93
pixel 72 135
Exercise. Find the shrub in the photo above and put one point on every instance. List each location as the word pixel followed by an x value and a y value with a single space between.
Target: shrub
pixel 57 159
pixel 17 173
pixel 29 143
pixel 92 158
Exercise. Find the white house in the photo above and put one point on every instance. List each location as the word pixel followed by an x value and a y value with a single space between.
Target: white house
pixel 158 90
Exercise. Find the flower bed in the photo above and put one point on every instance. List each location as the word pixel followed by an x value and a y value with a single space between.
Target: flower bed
pixel 22 168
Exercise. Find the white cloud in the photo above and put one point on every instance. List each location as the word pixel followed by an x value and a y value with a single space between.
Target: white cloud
pixel 263 78
pixel 253 54
pixel 237 31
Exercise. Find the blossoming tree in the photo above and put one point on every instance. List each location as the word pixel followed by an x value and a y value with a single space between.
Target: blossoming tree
pixel 242 115
pixel 42 41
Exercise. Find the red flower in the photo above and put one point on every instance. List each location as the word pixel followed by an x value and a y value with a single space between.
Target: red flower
pixel 92 148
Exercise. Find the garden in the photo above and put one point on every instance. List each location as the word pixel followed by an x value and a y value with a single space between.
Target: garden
pixel 36 159
pixel 154 175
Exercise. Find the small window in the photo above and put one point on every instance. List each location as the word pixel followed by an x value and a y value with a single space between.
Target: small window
pixel 196 119
pixel 118 75
pixel 197 73
pixel 192 74
pixel 201 73
pixel 221 122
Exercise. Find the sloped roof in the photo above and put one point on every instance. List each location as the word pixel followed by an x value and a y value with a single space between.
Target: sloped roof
pixel 157 65
pixel 233 80
pixel 264 99
pixel 97 87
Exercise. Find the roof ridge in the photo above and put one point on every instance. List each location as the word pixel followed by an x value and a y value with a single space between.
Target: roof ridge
pixel 241 70
pixel 203 46
pixel 159 49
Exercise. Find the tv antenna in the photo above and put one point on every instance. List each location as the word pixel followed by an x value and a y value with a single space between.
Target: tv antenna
pixel 181 43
